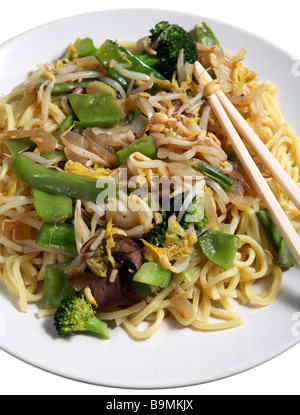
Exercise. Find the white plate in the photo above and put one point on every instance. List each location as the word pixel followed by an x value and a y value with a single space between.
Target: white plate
pixel 175 356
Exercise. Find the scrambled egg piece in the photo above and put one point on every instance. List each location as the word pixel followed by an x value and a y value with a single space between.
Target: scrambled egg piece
pixel 208 190
pixel 77 168
pixel 98 264
pixel 178 244
pixel 110 232
pixel 72 51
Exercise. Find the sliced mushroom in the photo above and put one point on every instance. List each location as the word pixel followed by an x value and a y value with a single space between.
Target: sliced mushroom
pixel 107 294
pixel 78 281
pixel 127 252
pixel 86 249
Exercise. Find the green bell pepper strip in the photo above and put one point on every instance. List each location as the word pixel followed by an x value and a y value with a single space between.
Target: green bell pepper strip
pixel 214 174
pixel 67 122
pixel 52 208
pixel 144 145
pixel 56 287
pixel 18 145
pixel 284 257
pixel 110 50
pixel 61 183
pixel 85 47
pixel 219 248
pixel 95 110
pixel 57 236
pixel 153 274
pixel 205 36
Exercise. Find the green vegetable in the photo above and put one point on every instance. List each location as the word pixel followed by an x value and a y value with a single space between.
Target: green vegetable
pixel 85 47
pixel 67 87
pixel 205 36
pixel 175 205
pixel 138 286
pixel 153 274
pixel 98 87
pixel 67 122
pixel 76 315
pixel 219 248
pixel 167 40
pixel 53 154
pixel 157 235
pixel 144 145
pixel 110 51
pixel 195 214
pixel 214 174
pixel 283 256
pixel 52 208
pixel 18 145
pixel 95 110
pixel 56 287
pixel 57 236
pixel 186 275
pixel 58 182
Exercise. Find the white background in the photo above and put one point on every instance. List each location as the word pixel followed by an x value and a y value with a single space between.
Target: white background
pixel 277 22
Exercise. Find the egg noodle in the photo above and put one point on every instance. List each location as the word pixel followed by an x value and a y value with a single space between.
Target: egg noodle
pixel 183 128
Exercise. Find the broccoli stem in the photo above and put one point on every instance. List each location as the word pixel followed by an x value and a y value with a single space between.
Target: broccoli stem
pixel 76 315
pixel 94 325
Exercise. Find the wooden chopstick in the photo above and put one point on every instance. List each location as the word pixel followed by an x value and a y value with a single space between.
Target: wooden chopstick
pixel 277 171
pixel 267 196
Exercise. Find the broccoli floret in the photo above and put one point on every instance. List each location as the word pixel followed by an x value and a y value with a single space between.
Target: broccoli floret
pixel 157 235
pixel 167 40
pixel 195 214
pixel 200 225
pixel 75 314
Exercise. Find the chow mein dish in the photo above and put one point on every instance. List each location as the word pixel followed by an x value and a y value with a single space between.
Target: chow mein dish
pixel 122 202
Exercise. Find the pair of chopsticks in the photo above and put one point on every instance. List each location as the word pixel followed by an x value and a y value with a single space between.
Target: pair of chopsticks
pixel 232 122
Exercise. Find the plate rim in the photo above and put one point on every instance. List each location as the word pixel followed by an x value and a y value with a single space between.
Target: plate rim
pixel 178 13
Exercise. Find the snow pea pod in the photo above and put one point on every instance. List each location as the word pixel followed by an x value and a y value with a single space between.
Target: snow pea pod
pixel 85 47
pixel 219 248
pixel 52 208
pixel 54 154
pixel 144 145
pixel 67 122
pixel 66 87
pixel 61 183
pixel 56 287
pixel 205 36
pixel 284 257
pixel 153 274
pixel 214 174
pixel 57 236
pixel 95 110
pixel 112 51
pixel 18 145
pixel 186 275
